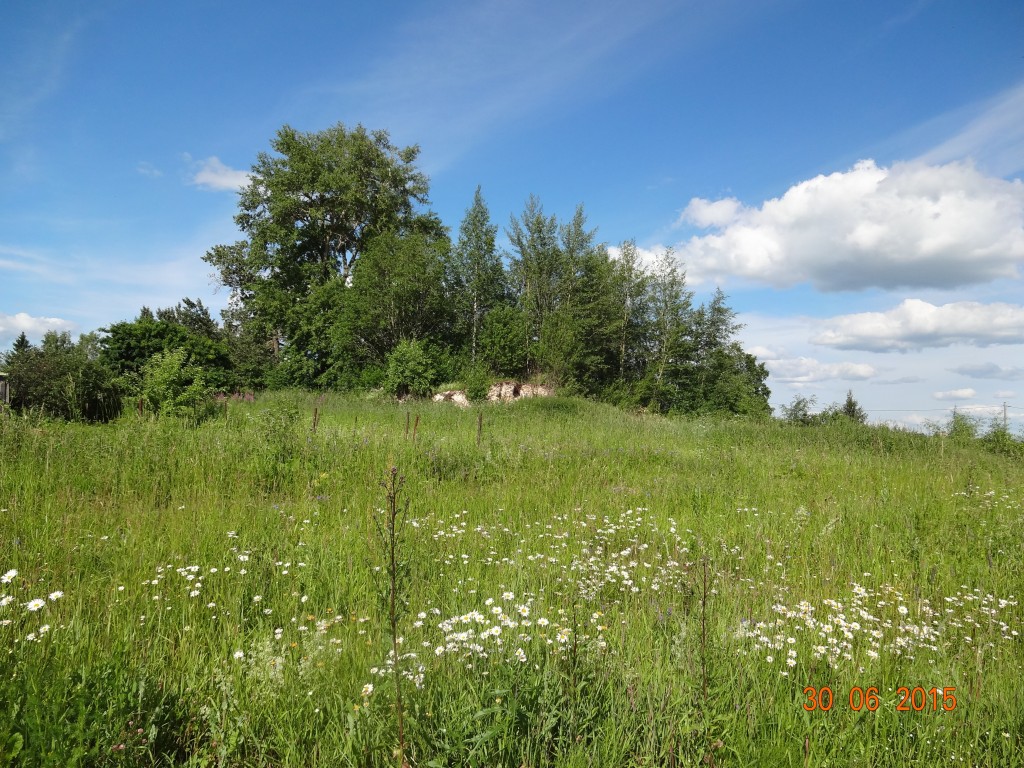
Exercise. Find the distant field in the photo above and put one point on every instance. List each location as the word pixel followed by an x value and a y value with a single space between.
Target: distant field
pixel 584 587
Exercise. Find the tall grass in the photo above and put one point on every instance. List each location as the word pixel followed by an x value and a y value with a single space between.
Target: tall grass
pixel 584 587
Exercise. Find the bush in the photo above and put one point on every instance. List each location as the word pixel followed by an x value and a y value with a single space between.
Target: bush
pixel 477 382
pixel 799 410
pixel 410 370
pixel 172 386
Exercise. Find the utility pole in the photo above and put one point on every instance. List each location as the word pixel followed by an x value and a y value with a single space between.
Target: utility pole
pixel 1004 416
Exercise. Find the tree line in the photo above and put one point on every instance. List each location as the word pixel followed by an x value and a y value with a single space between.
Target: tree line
pixel 346 280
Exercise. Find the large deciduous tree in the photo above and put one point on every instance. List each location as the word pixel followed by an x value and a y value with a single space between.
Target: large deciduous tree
pixel 309 211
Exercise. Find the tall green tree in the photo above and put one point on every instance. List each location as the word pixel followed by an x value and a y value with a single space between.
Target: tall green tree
pixel 479 278
pixel 308 213
pixel 21 344
pixel 536 268
pixel 670 341
pixel 851 409
pixel 724 378
pixel 631 287
pixel 580 333
pixel 401 291
pixel 193 316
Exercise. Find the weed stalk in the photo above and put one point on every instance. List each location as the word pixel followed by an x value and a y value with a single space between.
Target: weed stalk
pixel 390 531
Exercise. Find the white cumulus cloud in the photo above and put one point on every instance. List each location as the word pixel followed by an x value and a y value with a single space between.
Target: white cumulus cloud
pixel 911 225
pixel 956 394
pixel 916 324
pixel 11 326
pixel 805 370
pixel 211 173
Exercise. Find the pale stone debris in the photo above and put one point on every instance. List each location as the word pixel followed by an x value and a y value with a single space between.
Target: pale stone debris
pixel 503 391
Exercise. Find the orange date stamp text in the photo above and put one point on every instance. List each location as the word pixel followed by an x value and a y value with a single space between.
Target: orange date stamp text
pixel 917 699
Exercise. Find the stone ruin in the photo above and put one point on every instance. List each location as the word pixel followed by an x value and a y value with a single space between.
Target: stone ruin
pixel 501 392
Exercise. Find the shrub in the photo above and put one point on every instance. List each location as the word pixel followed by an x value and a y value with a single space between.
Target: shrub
pixel 172 386
pixel 477 382
pixel 410 371
pixel 799 410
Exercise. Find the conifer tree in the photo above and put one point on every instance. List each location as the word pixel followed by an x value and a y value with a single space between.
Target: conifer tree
pixel 479 280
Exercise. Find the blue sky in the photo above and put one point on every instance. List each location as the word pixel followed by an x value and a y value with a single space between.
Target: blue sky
pixel 849 173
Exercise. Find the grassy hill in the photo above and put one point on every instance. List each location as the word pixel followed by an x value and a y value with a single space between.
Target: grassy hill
pixel 578 586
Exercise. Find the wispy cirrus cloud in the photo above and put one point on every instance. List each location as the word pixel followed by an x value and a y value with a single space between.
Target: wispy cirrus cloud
pixel 454 73
pixel 36 60
pixel 149 170
pixel 993 136
pixel 15 259
pixel 990 371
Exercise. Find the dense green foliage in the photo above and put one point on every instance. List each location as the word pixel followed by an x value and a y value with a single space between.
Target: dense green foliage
pixel 129 345
pixel 62 378
pixel 342 264
pixel 346 281
pixel 173 386
pixel 216 595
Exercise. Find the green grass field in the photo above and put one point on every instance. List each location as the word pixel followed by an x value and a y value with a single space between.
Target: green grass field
pixel 581 587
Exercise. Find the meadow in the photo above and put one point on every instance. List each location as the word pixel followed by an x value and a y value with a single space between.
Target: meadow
pixel 574 586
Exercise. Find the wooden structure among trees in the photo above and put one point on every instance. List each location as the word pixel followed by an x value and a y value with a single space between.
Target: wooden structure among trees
pixel 5 392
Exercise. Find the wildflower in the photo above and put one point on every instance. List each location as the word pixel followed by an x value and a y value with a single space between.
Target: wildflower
pixel 8 577
pixel 35 605
pixel 239 654
pixel 56 595
pixel 5 601
pixel 367 690
pixel 520 655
